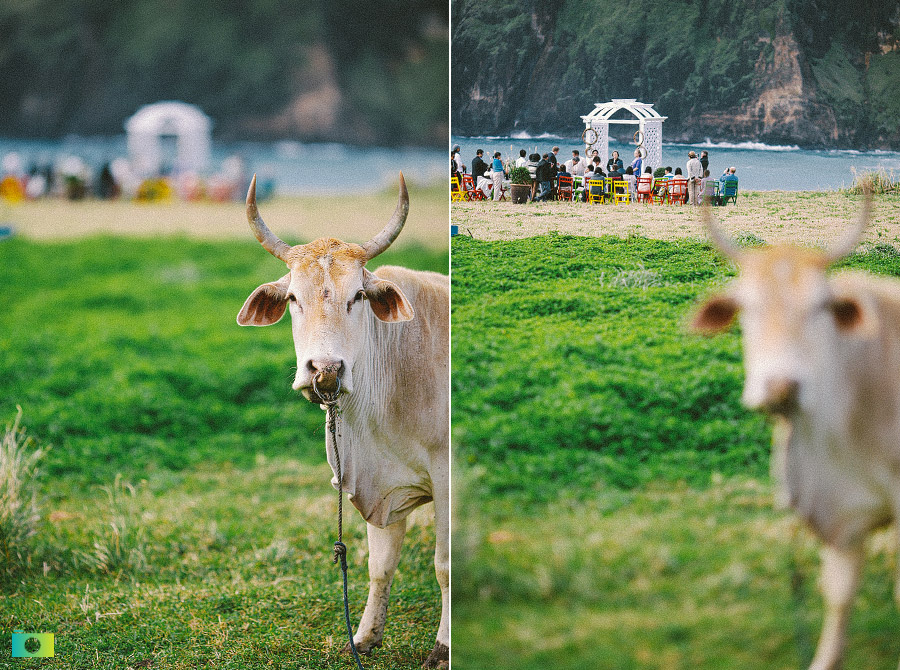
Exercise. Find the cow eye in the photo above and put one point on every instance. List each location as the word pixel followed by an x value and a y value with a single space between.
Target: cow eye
pixel 360 295
pixel 292 297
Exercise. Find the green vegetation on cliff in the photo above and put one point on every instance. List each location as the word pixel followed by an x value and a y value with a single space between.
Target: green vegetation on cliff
pixel 264 68
pixel 816 74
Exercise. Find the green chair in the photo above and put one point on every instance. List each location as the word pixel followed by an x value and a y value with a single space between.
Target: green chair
pixel 728 190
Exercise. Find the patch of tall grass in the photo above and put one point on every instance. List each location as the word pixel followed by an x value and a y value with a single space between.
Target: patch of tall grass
pixel 19 513
pixel 880 182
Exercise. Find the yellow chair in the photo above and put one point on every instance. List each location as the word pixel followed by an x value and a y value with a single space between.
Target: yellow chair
pixel 620 191
pixel 456 193
pixel 595 190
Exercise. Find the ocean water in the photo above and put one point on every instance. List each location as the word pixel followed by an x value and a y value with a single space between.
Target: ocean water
pixel 298 168
pixel 759 167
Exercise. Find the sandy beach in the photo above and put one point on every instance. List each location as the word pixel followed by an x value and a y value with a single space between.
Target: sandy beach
pixel 814 218
pixel 351 218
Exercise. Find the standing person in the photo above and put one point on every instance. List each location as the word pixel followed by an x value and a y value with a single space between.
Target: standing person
pixel 456 166
pixel 704 159
pixel 615 162
pixel 480 171
pixel 479 167
pixel 521 160
pixel 694 176
pixel 498 175
pixel 637 163
pixel 545 175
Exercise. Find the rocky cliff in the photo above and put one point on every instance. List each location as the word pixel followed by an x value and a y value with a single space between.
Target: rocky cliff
pixel 817 74
pixel 346 70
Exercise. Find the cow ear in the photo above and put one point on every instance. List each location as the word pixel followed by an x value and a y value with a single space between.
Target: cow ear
pixel 715 315
pixel 386 299
pixel 266 304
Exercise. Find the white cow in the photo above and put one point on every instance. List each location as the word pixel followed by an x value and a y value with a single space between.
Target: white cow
pixel 822 355
pixel 385 336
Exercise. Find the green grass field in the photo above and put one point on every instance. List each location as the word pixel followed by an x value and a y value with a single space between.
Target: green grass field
pixel 614 506
pixel 186 513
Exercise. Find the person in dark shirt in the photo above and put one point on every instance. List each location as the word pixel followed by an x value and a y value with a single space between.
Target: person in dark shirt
pixel 613 162
pixel 546 172
pixel 704 160
pixel 479 167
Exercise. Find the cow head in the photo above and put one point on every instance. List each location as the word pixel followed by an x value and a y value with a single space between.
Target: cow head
pixel 791 314
pixel 328 292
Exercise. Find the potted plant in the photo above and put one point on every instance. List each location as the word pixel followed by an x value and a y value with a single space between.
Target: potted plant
pixel 519 184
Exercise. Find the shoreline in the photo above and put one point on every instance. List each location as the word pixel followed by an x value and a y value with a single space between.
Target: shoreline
pixel 812 218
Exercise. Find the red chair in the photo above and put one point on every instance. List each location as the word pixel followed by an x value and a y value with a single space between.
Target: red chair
pixel 468 185
pixel 565 188
pixel 678 191
pixel 660 190
pixel 644 188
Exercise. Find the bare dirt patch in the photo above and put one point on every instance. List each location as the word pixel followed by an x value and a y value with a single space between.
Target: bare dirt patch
pixel 804 217
pixel 350 218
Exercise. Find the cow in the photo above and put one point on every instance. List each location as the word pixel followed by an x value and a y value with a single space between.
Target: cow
pixel 822 357
pixel 381 341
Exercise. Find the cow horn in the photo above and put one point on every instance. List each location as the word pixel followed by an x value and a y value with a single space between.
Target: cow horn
pixel 383 239
pixel 719 239
pixel 266 237
pixel 846 245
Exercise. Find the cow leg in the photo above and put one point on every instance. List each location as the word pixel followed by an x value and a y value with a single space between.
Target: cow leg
pixel 384 554
pixel 440 655
pixel 840 577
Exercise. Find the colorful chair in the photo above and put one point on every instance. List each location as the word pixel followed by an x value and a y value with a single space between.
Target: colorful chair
pixel 596 192
pixel 644 189
pixel 468 185
pixel 677 191
pixel 565 188
pixel 456 192
pixel 620 191
pixel 728 190
pixel 660 190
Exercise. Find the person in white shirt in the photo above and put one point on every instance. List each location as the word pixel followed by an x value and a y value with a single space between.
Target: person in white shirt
pixel 522 159
pixel 694 175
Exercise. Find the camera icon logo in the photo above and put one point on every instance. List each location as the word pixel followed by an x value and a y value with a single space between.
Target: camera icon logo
pixel 32 645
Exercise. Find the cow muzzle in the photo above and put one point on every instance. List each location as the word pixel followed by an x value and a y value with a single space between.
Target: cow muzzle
pixel 325 382
pixel 780 396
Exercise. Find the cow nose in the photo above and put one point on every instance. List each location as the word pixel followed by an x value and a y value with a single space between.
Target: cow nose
pixel 781 395
pixel 327 372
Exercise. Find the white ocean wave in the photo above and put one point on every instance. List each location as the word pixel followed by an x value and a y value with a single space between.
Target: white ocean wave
pixel 750 146
pixel 522 135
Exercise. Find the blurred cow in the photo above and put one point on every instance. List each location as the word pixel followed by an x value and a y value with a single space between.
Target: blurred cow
pixel 822 355
pixel 382 339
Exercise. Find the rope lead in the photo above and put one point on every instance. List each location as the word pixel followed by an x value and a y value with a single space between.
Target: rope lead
pixel 340 549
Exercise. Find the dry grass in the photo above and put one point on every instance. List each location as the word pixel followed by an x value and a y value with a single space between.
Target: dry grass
pixel 812 218
pixel 19 515
pixel 353 218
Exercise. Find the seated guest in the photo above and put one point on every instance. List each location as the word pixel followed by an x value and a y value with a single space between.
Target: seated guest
pixel 678 176
pixel 574 165
pixel 707 188
pixel 521 160
pixel 532 164
pixel 632 181
pixel 728 176
pixel 597 189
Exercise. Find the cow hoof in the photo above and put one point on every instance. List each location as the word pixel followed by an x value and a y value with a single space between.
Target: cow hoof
pixel 439 657
pixel 364 648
